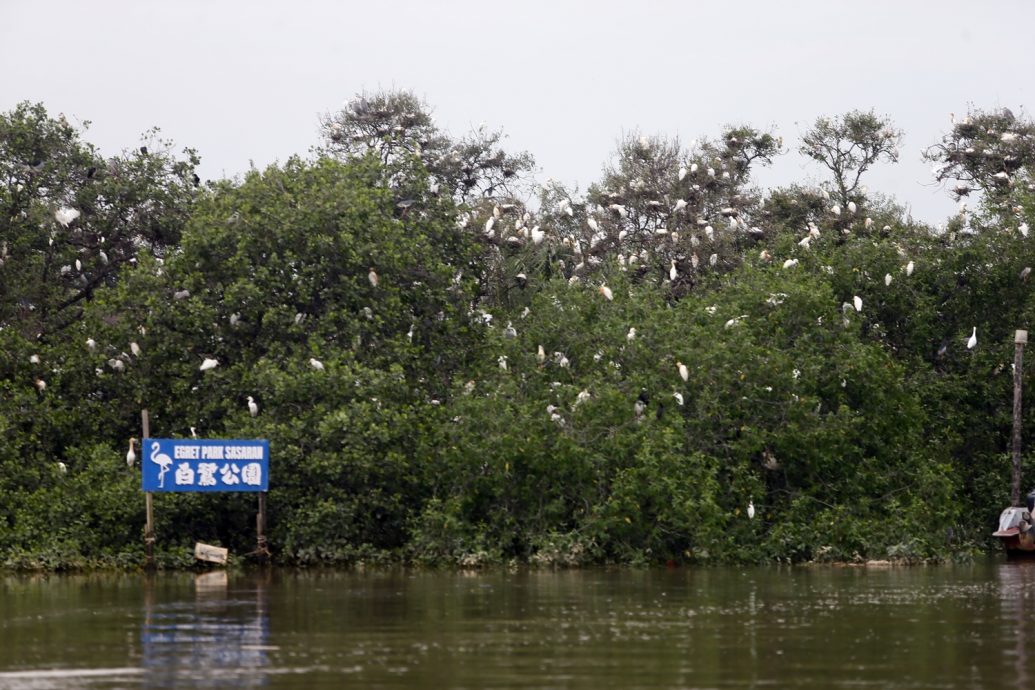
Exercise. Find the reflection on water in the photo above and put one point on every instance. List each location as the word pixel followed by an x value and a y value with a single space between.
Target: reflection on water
pixel 214 642
pixel 922 627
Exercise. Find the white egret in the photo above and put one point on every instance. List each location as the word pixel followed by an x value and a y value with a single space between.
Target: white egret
pixel 488 227
pixel 713 259
pixel 181 294
pixel 503 362
pixel 62 468
pixel 537 236
pixel 606 292
pixel 887 279
pixel 78 265
pixel 372 277
pixel 693 168
pixel 790 263
pixel 91 343
pixel 34 359
pixel 510 331
pixel 909 269
pixel 867 223
pixel 709 232
pixel 680 205
pixel 593 224
pixel 41 384
pixel 684 373
pixel 131 454
pixel 857 303
pixel 631 335
pixel 679 398
pixel 764 255
pixel 672 272
pixel 1025 273
pixel 835 209
pixel 972 340
pixel 135 349
pixel 316 364
pixel 253 408
pixel 751 510
pixel 851 207
pixel 117 364
pixel 582 397
pixel 805 242
pixel 208 363
pixel 193 432
pixel 540 355
pixel 65 215
pixel 682 172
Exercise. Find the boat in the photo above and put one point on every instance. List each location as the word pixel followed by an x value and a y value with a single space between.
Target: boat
pixel 1016 529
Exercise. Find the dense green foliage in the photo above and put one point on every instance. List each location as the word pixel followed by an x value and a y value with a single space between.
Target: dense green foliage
pixel 612 377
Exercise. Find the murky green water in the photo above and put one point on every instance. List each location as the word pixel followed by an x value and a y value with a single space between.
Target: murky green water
pixel 924 627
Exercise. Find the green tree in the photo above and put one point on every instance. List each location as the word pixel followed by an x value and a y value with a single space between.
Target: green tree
pixel 848 146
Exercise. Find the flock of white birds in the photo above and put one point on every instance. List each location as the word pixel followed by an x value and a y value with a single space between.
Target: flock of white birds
pixel 492 230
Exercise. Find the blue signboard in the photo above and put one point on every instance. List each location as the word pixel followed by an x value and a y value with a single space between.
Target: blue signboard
pixel 186 464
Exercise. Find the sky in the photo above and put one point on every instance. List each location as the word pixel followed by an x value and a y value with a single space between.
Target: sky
pixel 244 82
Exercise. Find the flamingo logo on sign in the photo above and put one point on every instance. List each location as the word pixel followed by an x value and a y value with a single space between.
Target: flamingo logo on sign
pixel 162 460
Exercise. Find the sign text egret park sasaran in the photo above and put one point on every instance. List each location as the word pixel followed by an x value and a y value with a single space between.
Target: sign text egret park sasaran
pixel 182 465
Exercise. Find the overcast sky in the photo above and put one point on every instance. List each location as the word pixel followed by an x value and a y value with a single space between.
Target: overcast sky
pixel 244 81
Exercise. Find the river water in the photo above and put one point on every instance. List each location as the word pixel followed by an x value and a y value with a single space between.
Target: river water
pixel 792 627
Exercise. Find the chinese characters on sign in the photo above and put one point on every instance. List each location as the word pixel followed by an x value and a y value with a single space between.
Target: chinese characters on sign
pixel 205 465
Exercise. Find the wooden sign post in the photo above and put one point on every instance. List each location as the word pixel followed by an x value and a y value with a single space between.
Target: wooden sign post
pixel 203 465
pixel 149 527
pixel 1020 338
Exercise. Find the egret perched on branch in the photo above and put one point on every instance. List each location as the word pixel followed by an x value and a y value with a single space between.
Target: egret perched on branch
pixel 253 408
pixel 131 454
pixel 372 276
pixel 135 349
pixel 909 269
pixel 316 364
pixel 857 303
pixel 208 363
pixel 972 340
pixel 91 343
pixel 65 215
pixel 606 292
pixel 751 510
pixel 684 373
